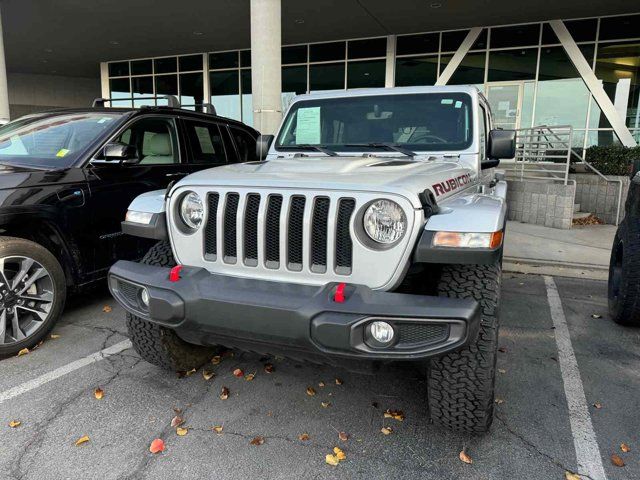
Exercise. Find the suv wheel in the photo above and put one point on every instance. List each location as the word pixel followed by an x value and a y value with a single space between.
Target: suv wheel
pixel 624 277
pixel 32 294
pixel 159 345
pixel 461 383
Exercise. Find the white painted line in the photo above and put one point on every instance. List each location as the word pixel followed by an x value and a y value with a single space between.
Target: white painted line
pixel 584 438
pixel 64 370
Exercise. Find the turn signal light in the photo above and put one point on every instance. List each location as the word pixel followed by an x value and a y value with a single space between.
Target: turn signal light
pixel 467 240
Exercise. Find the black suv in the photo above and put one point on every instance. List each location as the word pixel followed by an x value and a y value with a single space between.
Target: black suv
pixel 624 268
pixel 66 180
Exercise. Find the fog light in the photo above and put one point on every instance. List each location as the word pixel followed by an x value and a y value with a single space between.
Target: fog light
pixel 144 297
pixel 381 332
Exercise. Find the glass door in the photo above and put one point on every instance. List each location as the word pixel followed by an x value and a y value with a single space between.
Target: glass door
pixel 505 99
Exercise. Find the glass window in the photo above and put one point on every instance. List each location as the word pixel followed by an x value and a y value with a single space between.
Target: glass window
pixel 141 67
pixel 142 87
pixel 451 41
pixel 166 85
pixel 416 71
pixel 191 90
pixel 481 41
pixel 613 28
pixel 245 144
pixel 206 142
pixel 602 138
pixel 420 122
pixel 295 54
pixel 482 130
pixel 516 36
pixel 247 99
pixel 223 60
pixel 327 76
pixel 510 65
pixel 469 72
pixel 154 139
pixel 190 63
pixel 165 65
pixel 366 74
pixel 294 79
pixel 118 69
pixel 224 93
pixel 323 52
pixel 373 47
pixel 245 58
pixel 411 44
pixel 120 88
pixel 580 30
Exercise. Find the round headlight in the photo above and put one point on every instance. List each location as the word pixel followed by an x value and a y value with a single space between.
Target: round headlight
pixel 385 221
pixel 191 210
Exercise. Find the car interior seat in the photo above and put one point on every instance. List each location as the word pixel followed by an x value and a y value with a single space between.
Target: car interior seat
pixel 160 150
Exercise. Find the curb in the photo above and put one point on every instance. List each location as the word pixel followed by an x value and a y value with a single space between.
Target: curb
pixel 558 269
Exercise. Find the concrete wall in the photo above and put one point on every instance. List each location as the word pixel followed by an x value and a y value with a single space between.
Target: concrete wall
pixel 597 196
pixel 33 93
pixel 541 203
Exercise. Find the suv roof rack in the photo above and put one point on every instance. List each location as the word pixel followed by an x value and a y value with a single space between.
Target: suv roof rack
pixel 172 101
pixel 206 107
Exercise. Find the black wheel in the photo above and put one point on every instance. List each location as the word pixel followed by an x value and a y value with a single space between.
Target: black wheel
pixel 461 383
pixel 624 276
pixel 32 294
pixel 159 345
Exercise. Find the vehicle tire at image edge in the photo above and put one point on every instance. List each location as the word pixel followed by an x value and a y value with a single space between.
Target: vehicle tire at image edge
pixel 624 276
pixel 160 345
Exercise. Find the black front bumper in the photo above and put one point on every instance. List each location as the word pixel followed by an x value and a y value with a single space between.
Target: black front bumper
pixel 292 319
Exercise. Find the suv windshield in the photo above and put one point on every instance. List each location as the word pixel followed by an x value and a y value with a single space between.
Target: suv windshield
pixel 54 141
pixel 427 122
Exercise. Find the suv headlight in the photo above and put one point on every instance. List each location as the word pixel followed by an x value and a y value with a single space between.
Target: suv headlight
pixel 191 210
pixel 385 221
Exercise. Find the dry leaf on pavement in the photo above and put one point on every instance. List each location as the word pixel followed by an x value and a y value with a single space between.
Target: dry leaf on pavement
pixel 465 458
pixel 54 336
pixel 338 381
pixel 502 370
pixel 157 446
pixel 257 441
pixel 106 309
pixel 617 461
pixel 182 431
pixel 395 414
pixel 331 460
pixel 22 352
pixel 598 405
pixel 596 316
pixel 344 436
pixel 325 404
pixel 321 384
pixel 310 391
pixel 177 421
pixel 15 423
pixel 98 393
pixel 268 368
pixel 339 453
pixel 250 376
pixel 238 373
pixel 82 440
pixel 571 476
pixel 216 360
pixel 499 401
pixel 303 437
pixel 386 430
pixel 625 448
pixel 218 428
pixel 208 375
pixel 502 349
pixel 224 394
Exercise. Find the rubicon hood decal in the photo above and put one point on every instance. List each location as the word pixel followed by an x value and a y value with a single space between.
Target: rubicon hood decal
pixel 451 184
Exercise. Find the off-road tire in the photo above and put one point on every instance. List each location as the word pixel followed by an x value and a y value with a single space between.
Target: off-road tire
pixel 158 345
pixel 12 246
pixel 624 276
pixel 461 383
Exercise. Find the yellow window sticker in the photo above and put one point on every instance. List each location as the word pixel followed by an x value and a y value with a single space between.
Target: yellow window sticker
pixel 62 152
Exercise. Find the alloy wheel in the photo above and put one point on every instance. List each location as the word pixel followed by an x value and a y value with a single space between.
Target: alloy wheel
pixel 26 298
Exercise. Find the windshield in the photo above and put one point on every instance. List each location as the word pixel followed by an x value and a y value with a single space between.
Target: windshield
pixel 55 141
pixel 429 122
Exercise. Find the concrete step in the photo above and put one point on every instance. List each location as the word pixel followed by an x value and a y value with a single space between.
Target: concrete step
pixel 580 215
pixel 576 207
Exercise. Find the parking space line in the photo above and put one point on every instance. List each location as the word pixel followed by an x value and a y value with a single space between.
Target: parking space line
pixel 584 438
pixel 64 370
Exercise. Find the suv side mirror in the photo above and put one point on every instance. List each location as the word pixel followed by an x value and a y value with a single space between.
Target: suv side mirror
pixel 502 145
pixel 120 152
pixel 262 146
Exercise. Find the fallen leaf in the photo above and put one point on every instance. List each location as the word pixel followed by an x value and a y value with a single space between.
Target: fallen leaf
pixel 310 391
pixel 303 437
pixel 325 404
pixel 344 436
pixel 54 336
pixel 238 373
pixel 250 376
pixel 268 368
pixel 177 410
pixel 82 440
pixel 321 384
pixel 177 421
pixel 571 476
pixel 208 375
pixel 157 446
pixel 338 381
pixel 331 460
pixel 617 461
pixel 625 448
pixel 216 360
pixel 395 414
pixel 596 316
pixel 598 405
pixel 38 345
pixel 224 394
pixel 386 430
pixel 15 423
pixel 257 441
pixel 499 401
pixel 188 373
pixel 24 351
pixel 218 428
pixel 502 370
pixel 464 457
pixel 182 431
pixel 502 350
pixel 339 453
pixel 98 393
pixel 106 309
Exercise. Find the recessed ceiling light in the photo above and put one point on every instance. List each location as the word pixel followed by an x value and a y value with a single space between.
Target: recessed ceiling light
pixel 299 21
pixel 197 34
pixel 435 5
pixel 114 42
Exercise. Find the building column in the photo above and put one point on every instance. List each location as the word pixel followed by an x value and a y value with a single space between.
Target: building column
pixel 266 64
pixel 4 90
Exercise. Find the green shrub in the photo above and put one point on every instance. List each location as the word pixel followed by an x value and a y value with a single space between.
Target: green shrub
pixel 613 159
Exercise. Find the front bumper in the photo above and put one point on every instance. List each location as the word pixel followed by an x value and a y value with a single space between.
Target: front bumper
pixel 291 319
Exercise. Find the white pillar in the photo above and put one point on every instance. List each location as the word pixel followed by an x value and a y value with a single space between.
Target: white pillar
pixel 4 90
pixel 266 64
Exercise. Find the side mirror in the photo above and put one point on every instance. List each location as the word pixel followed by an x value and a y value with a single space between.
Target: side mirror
pixel 120 152
pixel 262 146
pixel 502 145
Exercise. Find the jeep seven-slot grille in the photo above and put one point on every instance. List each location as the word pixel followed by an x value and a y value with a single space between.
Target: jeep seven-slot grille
pixel 268 220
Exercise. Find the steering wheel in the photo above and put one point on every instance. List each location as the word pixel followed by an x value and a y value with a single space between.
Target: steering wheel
pixel 421 138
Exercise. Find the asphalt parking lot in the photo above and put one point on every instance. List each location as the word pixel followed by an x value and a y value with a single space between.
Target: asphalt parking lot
pixel 546 421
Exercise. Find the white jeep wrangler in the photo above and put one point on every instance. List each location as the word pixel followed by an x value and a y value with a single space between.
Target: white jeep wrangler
pixel 371 231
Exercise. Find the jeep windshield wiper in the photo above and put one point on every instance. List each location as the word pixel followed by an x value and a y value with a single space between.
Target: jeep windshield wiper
pixel 387 146
pixel 307 146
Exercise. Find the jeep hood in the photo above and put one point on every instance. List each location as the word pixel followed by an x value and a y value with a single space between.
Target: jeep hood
pixel 400 175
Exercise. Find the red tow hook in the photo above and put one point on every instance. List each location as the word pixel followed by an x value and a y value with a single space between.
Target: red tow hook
pixel 338 297
pixel 174 274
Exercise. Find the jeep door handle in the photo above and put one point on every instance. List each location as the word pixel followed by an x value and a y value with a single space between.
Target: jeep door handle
pixel 177 174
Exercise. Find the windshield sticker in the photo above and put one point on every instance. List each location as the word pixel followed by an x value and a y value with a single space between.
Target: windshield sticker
pixel 451 184
pixel 62 152
pixel 308 126
pixel 447 101
pixel 458 104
